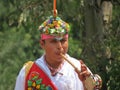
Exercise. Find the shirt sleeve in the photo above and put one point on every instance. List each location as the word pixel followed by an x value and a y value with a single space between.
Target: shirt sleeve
pixel 20 81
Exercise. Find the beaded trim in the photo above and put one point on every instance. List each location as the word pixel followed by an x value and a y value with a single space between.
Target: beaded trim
pixel 54 26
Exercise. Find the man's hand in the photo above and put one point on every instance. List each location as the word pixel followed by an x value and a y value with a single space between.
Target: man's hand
pixel 83 73
pixel 89 81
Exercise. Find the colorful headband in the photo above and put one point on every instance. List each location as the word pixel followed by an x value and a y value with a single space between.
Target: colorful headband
pixel 45 36
pixel 54 26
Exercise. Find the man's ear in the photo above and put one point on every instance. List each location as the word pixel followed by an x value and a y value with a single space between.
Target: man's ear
pixel 42 43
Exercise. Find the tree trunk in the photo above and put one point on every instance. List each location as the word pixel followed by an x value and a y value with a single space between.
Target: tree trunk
pixel 93 30
pixel 94 48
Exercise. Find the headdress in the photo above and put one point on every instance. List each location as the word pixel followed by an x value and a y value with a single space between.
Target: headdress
pixel 54 26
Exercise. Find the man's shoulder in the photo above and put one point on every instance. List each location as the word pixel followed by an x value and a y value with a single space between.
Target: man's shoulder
pixel 28 63
pixel 27 66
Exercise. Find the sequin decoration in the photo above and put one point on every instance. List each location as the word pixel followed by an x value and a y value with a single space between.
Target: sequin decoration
pixel 54 26
pixel 35 83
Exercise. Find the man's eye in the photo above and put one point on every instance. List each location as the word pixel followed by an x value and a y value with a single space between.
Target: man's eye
pixel 54 41
pixel 63 40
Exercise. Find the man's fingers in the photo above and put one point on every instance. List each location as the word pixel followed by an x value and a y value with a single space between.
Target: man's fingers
pixel 83 67
pixel 85 73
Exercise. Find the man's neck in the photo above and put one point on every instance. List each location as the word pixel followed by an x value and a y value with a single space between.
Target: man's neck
pixel 54 67
pixel 54 64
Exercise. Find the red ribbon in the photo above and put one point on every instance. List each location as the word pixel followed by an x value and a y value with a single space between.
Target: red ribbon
pixel 54 9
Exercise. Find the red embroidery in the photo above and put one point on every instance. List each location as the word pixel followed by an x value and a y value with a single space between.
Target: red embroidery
pixel 38 80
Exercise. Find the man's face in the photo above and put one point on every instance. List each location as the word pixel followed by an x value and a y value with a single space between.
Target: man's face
pixel 54 47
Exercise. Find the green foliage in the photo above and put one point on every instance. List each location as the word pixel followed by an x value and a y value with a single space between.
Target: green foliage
pixel 113 42
pixel 74 48
pixel 114 75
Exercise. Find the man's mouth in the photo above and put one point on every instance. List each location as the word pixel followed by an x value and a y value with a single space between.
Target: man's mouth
pixel 58 53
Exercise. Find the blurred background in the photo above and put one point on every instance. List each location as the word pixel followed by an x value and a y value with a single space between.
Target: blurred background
pixel 94 36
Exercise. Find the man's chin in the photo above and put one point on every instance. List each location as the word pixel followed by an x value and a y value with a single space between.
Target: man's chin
pixel 60 59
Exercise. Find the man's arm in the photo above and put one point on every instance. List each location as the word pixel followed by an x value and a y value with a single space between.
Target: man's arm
pixel 90 81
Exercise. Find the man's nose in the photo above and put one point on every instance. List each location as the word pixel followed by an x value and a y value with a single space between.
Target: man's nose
pixel 59 45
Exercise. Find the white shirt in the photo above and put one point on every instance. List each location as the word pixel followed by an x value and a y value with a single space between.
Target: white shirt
pixel 66 78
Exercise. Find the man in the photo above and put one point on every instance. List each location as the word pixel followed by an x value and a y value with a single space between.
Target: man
pixel 51 71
